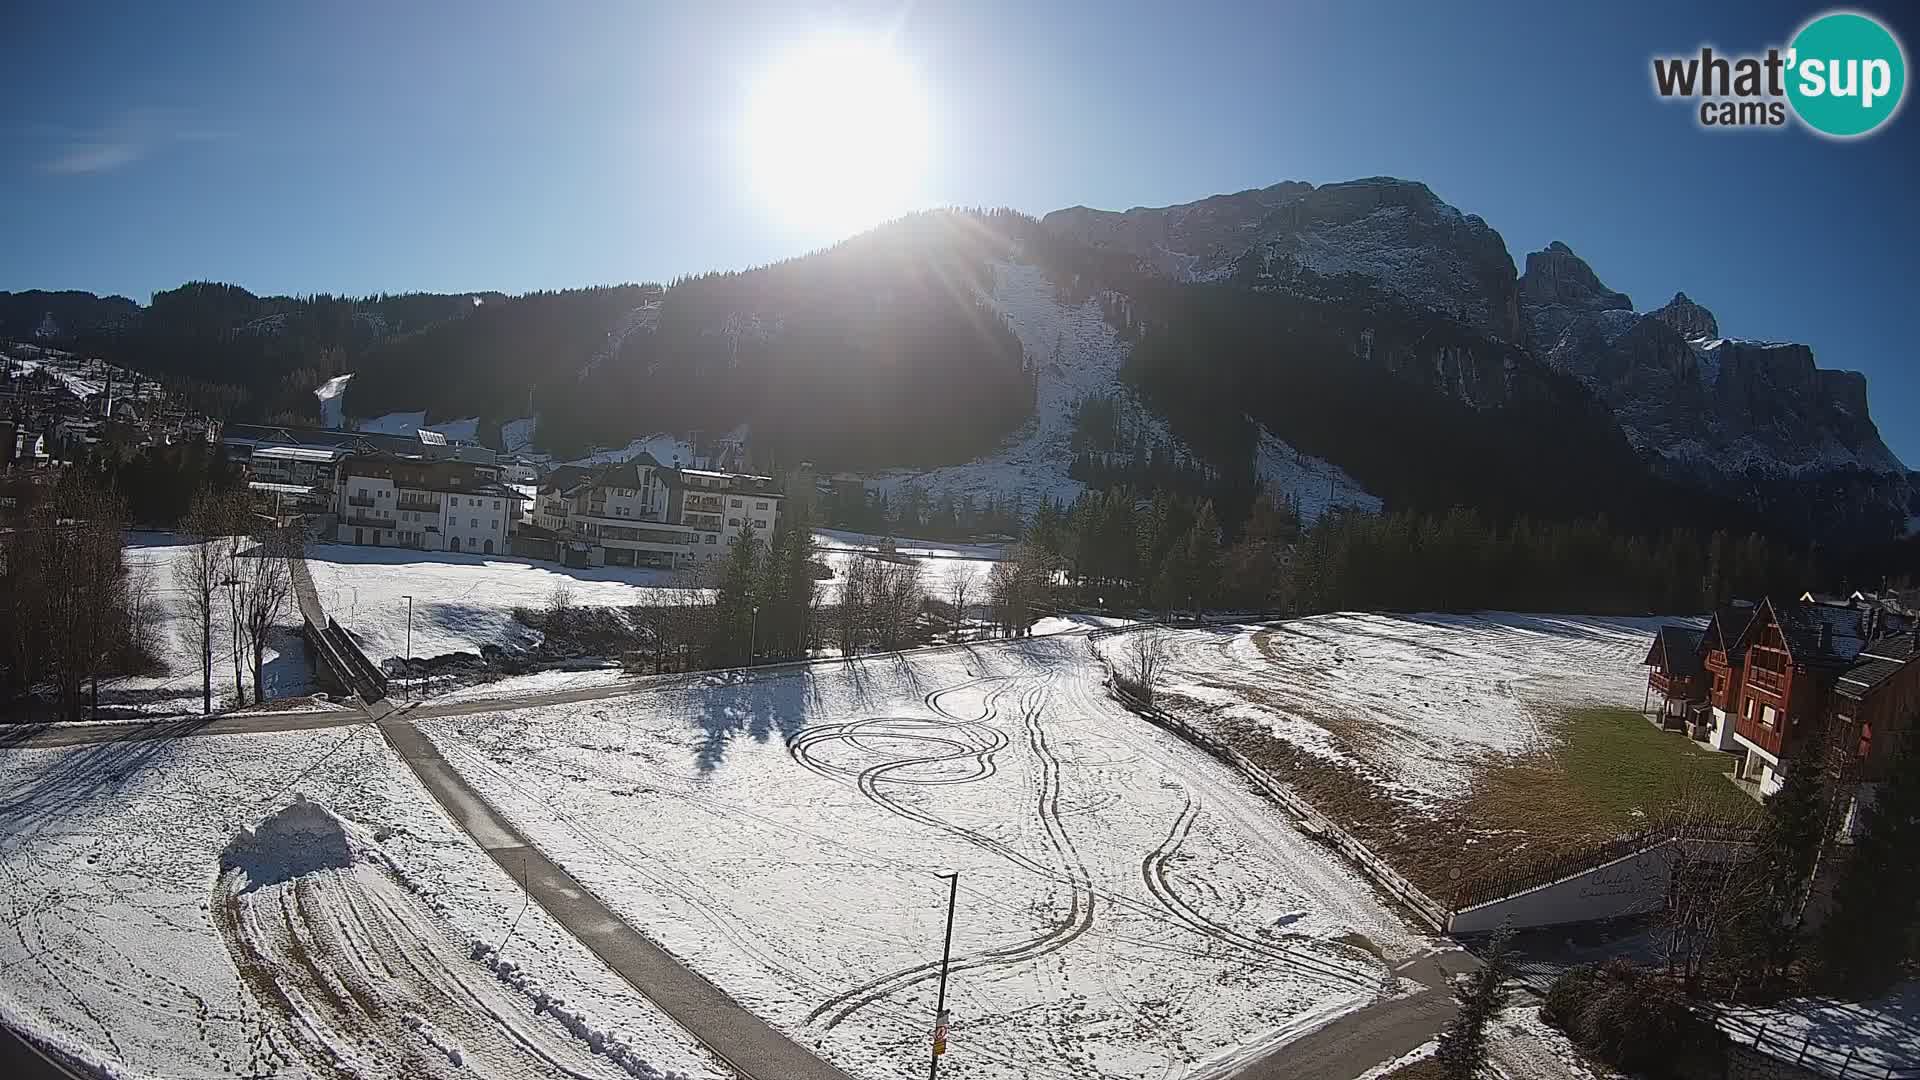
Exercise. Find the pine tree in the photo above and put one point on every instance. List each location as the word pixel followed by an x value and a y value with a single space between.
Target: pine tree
pixel 1463 1045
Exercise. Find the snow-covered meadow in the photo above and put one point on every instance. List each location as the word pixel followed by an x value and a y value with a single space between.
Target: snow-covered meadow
pixel 1411 700
pixel 460 602
pixel 1127 908
pixel 152 558
pixel 141 940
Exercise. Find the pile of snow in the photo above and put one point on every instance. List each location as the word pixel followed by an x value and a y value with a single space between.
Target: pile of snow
pixel 299 838
pixel 332 395
pixel 617 1047
pixel 112 953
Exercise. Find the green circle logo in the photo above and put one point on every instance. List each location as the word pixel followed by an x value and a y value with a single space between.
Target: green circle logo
pixel 1846 74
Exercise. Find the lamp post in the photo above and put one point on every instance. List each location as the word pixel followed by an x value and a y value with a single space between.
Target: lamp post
pixel 753 633
pixel 410 686
pixel 952 877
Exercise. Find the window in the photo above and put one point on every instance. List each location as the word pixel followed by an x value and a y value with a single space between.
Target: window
pixel 1768 715
pixel 709 539
pixel 494 524
pixel 760 523
pixel 473 523
pixel 734 522
pixel 761 505
pixel 496 504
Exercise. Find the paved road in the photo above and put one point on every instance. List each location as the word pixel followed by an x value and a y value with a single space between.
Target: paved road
pixel 749 1044
pixel 34 736
pixel 1378 1033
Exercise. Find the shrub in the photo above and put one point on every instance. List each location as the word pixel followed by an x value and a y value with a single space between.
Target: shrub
pixel 1633 1021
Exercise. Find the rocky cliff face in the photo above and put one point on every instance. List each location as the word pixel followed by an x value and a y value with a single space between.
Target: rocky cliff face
pixel 1754 419
pixel 1395 235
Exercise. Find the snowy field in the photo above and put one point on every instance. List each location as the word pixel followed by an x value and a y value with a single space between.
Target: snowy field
pixel 177 642
pixel 1411 700
pixel 142 939
pixel 460 602
pixel 1127 908
pixel 1864 1038
pixel 836 539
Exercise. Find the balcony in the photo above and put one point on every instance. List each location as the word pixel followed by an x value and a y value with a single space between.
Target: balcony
pixel 1773 682
pixel 420 506
pixel 367 522
pixel 355 500
pixel 712 504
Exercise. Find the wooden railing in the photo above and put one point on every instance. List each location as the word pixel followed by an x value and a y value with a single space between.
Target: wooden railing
pixel 1765 679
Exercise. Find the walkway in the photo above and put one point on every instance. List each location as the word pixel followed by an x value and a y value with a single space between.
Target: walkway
pixel 745 1041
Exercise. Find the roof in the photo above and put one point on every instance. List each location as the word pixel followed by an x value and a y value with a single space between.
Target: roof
pixel 565 477
pixel 1897 647
pixel 1861 679
pixel 1727 630
pixel 1677 648
pixel 299 453
pixel 1819 634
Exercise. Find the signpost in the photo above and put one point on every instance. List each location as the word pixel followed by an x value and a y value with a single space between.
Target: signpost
pixel 946 958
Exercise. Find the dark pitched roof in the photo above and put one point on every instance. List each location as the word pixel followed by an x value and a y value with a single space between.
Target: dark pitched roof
pixel 565 478
pixel 1727 630
pixel 1818 634
pixel 1679 648
pixel 1900 647
pixel 1860 680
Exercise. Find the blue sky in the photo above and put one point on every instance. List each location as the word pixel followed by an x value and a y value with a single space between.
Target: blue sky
pixel 360 148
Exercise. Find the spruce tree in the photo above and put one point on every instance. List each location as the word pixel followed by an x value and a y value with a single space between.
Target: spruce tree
pixel 1463 1045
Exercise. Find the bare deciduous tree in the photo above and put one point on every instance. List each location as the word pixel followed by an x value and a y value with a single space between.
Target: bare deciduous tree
pixel 1142 660
pixel 198 573
pixel 959 586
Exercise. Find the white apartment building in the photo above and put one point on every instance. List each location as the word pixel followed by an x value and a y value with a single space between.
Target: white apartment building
pixel 395 501
pixel 641 513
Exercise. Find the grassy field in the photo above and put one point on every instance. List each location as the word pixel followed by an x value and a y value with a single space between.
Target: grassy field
pixel 1605 772
pixel 1609 772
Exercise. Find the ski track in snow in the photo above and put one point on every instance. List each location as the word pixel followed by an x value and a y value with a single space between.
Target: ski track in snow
pixel 1128 908
pixel 111 944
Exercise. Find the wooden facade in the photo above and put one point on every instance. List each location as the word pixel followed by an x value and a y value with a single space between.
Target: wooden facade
pixel 1784 698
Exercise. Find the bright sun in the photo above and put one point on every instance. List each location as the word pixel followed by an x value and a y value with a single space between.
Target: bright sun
pixel 836 135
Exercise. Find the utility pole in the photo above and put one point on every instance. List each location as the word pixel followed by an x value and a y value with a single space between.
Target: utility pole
pixel 753 633
pixel 409 642
pixel 946 958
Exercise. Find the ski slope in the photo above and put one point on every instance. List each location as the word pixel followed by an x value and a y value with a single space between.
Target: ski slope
pixel 1126 907
pixel 147 935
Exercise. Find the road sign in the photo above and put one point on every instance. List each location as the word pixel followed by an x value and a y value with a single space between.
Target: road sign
pixel 940 1034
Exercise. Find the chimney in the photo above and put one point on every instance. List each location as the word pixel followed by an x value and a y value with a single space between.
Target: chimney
pixel 1826 636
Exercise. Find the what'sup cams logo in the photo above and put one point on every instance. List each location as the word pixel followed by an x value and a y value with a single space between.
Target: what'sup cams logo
pixel 1843 76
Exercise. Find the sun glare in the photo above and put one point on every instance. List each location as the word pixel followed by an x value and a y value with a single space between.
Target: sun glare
pixel 836 135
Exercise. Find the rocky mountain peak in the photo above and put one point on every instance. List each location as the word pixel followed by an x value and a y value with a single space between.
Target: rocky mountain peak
pixel 1690 319
pixel 1555 275
pixel 1395 235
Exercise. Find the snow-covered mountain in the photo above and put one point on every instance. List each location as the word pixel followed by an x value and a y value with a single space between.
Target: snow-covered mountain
pixel 1755 419
pixel 1395 234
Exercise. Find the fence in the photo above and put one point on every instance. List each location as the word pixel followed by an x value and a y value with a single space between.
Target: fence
pixel 1803 1051
pixel 1425 907
pixel 1555 867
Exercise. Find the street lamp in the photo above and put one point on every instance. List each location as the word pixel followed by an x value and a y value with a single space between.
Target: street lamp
pixel 753 633
pixel 952 878
pixel 409 597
